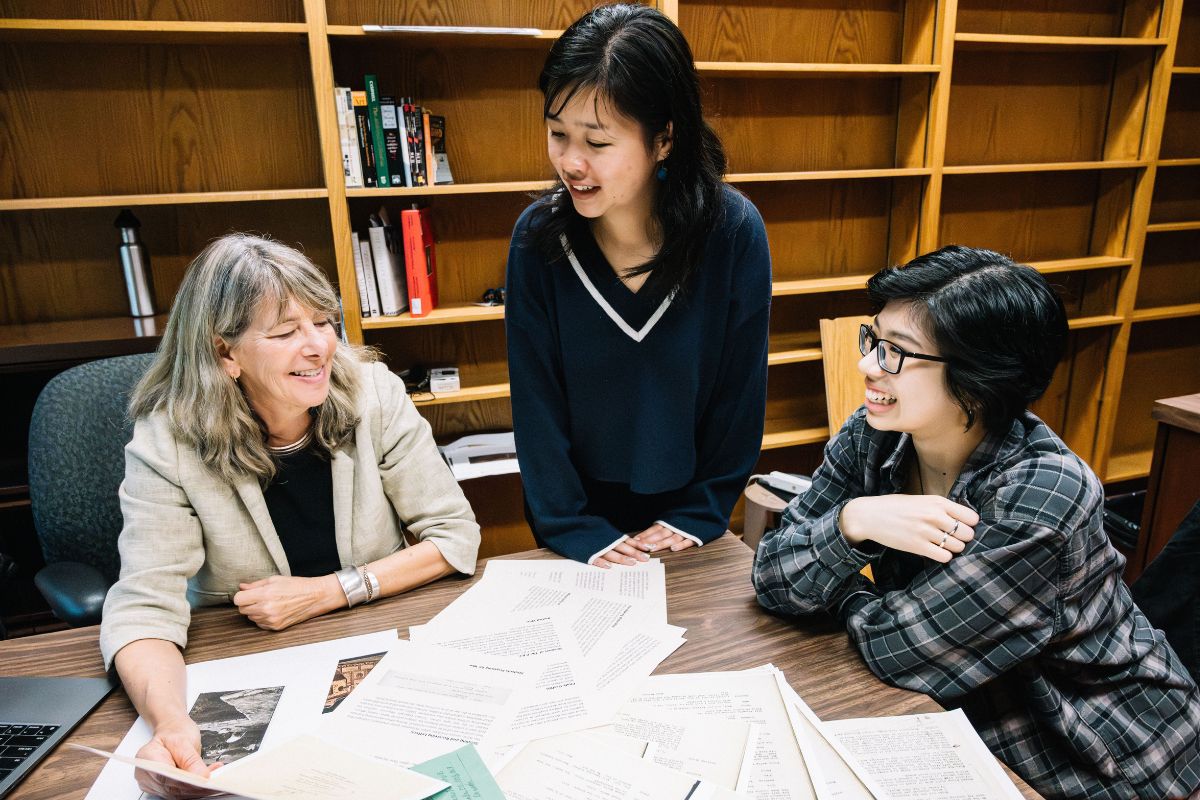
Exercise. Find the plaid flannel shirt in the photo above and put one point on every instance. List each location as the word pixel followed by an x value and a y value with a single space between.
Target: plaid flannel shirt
pixel 1030 630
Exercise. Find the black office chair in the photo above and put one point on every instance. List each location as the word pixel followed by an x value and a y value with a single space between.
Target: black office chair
pixel 77 441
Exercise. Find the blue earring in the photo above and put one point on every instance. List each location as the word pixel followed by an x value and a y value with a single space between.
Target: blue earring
pixel 662 171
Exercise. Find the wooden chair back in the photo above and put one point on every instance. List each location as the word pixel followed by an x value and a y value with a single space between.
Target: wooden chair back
pixel 840 357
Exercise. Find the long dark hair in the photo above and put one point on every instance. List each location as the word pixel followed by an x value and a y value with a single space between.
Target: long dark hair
pixel 638 61
pixel 1000 324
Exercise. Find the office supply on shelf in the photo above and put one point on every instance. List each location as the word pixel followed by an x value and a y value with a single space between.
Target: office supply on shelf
pixel 135 266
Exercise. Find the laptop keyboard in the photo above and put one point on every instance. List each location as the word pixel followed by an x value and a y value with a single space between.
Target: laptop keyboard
pixel 18 740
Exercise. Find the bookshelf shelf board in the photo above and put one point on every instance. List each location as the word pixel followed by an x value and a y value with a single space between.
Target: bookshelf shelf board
pixel 149 32
pixel 841 283
pixel 770 69
pixel 469 394
pixel 1052 166
pixel 1179 162
pixel 827 175
pixel 1080 264
pixel 450 38
pixel 772 441
pixel 1128 466
pixel 1186 70
pixel 1004 41
pixel 1098 321
pixel 798 356
pixel 72 340
pixel 443 315
pixel 166 199
pixel 1166 227
pixel 453 188
pixel 1166 312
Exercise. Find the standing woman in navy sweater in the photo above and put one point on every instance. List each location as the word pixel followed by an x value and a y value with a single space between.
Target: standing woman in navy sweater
pixel 638 294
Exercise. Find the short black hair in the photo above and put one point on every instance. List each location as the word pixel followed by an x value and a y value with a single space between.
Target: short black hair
pixel 635 58
pixel 1000 325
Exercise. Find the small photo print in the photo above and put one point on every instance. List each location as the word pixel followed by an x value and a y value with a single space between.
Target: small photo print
pixel 348 674
pixel 233 724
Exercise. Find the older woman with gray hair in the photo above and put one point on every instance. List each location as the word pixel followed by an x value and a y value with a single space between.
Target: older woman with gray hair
pixel 272 466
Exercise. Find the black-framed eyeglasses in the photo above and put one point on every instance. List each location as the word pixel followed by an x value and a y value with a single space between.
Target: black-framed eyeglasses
pixel 891 355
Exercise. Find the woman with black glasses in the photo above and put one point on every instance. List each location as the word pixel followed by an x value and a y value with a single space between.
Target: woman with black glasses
pixel 995 587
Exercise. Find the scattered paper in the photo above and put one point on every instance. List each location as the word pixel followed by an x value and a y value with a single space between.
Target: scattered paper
pixel 464 770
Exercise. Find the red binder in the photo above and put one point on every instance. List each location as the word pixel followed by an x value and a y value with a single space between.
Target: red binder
pixel 419 260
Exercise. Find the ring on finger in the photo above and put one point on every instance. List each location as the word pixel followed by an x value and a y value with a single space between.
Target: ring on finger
pixel 953 530
pixel 945 536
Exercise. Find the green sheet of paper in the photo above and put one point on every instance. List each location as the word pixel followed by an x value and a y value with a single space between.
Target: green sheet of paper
pixel 464 770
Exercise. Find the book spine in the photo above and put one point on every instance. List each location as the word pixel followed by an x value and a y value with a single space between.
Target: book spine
pixel 376 114
pixel 360 279
pixel 393 141
pixel 437 132
pixel 349 130
pixel 364 247
pixel 420 174
pixel 391 294
pixel 365 150
pixel 339 104
pixel 430 165
pixel 420 261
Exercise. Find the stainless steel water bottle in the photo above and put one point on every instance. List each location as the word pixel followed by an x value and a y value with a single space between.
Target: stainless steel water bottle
pixel 135 263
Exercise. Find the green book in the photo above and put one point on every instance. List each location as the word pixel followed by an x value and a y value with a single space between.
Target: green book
pixel 375 111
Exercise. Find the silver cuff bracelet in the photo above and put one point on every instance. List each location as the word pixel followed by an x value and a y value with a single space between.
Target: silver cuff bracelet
pixel 353 585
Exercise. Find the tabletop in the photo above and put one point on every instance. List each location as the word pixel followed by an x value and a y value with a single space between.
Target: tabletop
pixel 708 592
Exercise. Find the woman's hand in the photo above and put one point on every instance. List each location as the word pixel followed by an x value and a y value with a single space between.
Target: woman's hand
pixel 178 744
pixel 281 601
pixel 928 525
pixel 627 553
pixel 658 537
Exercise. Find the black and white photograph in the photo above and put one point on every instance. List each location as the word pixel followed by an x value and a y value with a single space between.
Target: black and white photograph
pixel 233 724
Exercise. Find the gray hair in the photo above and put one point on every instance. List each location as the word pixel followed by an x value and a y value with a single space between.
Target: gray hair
pixel 222 292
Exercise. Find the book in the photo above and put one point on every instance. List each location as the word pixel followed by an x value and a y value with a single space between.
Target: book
pixel 387 252
pixel 393 142
pixel 416 145
pixel 347 138
pixel 363 247
pixel 375 112
pixel 441 161
pixel 360 279
pixel 420 260
pixel 363 128
pixel 428 149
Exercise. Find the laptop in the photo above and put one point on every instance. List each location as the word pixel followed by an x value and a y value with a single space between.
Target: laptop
pixel 36 714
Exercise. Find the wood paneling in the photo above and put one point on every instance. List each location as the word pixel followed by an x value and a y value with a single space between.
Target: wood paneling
pixel 180 10
pixel 1181 130
pixel 1060 17
pixel 477 350
pixel 548 14
pixel 1035 216
pixel 1176 195
pixel 1187 51
pixel 63 264
pixel 95 119
pixel 870 31
pixel 785 124
pixel 835 228
pixel 1008 108
pixel 1161 362
pixel 1071 404
pixel 1170 271
pixel 795 397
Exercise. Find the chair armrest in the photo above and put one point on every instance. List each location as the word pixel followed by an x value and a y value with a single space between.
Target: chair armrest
pixel 74 591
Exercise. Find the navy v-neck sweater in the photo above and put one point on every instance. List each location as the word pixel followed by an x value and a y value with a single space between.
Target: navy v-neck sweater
pixel 630 411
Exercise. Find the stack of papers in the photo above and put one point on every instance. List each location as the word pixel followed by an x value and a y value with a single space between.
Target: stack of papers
pixel 536 684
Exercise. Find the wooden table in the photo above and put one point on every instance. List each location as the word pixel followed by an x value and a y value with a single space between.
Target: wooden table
pixel 1174 485
pixel 708 592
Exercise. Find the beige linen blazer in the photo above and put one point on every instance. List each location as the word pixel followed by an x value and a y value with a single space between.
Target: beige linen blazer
pixel 189 537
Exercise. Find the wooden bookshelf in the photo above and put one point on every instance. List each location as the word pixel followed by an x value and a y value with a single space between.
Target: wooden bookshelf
pixel 865 133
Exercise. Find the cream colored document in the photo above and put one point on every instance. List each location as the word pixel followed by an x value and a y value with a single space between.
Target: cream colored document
pixel 708 748
pixel 581 766
pixel 422 701
pixel 922 755
pixel 829 764
pixel 304 768
pixel 302 673
pixel 777 770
